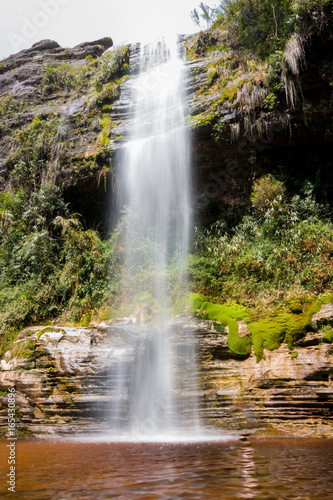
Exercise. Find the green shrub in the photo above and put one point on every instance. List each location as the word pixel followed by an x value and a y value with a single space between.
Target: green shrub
pixel 113 65
pixel 48 262
pixel 259 25
pixel 9 106
pixel 282 246
pixel 35 143
pixel 264 26
pixel 265 191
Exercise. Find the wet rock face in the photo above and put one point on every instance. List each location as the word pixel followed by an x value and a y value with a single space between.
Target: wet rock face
pixel 296 144
pixel 61 380
pixel 287 393
pixel 65 381
pixel 77 162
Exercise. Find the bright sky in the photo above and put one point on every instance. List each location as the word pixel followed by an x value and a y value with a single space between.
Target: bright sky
pixel 70 22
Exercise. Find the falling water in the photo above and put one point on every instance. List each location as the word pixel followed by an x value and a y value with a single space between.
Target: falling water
pixel 155 392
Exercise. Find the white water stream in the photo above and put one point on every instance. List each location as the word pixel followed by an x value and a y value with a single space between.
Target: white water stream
pixel 155 392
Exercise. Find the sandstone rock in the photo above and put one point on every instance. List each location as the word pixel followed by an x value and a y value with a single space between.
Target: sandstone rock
pixel 44 45
pixel 68 388
pixel 285 395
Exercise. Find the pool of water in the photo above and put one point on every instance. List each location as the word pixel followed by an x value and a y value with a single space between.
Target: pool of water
pixel 259 469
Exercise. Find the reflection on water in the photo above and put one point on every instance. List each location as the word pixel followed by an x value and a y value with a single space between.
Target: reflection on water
pixel 267 469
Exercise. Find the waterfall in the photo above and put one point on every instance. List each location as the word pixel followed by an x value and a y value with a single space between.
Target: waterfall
pixel 155 389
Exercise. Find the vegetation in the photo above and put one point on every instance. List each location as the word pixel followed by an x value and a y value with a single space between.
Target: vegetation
pixel 68 78
pixel 273 264
pixel 285 245
pixel 271 270
pixel 227 315
pixel 49 264
pixel 265 26
pixel 259 50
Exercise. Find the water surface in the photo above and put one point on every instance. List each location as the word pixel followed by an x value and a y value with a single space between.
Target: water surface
pixel 262 469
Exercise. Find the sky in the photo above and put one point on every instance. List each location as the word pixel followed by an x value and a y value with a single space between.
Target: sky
pixel 70 22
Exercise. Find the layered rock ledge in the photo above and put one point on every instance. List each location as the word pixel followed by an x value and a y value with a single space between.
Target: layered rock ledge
pixel 64 379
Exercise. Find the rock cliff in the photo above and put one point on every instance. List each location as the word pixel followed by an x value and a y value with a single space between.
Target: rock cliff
pixel 234 137
pixel 65 379
pixel 52 96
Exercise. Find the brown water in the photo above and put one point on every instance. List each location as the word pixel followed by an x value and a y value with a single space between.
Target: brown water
pixel 264 469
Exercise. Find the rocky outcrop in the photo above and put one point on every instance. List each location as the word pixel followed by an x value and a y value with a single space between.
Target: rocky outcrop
pixel 288 393
pixel 56 86
pixel 62 379
pixel 65 379
pixel 21 74
pixel 235 138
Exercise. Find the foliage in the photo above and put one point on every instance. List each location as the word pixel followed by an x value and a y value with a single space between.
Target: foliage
pixel 259 25
pixel 264 26
pixel 34 149
pixel 312 16
pixel 113 65
pixel 205 13
pixel 283 246
pixel 265 191
pixel 328 334
pixel 67 77
pixel 57 78
pixel 48 263
pixel 9 105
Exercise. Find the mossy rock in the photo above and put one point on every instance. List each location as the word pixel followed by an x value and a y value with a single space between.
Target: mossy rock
pixel 294 306
pixel 268 333
pixel 49 329
pixel 328 334
pixel 226 315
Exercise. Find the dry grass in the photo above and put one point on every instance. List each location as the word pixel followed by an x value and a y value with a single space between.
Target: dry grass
pixel 292 64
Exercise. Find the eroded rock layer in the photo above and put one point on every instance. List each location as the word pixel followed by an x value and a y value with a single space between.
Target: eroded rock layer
pixel 65 381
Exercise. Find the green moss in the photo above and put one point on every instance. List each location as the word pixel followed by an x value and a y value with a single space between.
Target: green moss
pixel 45 330
pixel 315 307
pixel 242 346
pixel 294 306
pixel 202 119
pixel 49 329
pixel 107 315
pixel 328 334
pixel 294 355
pixel 28 351
pixel 195 302
pixel 227 315
pixel 180 305
pixel 103 138
pixel 269 333
pixel 220 312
